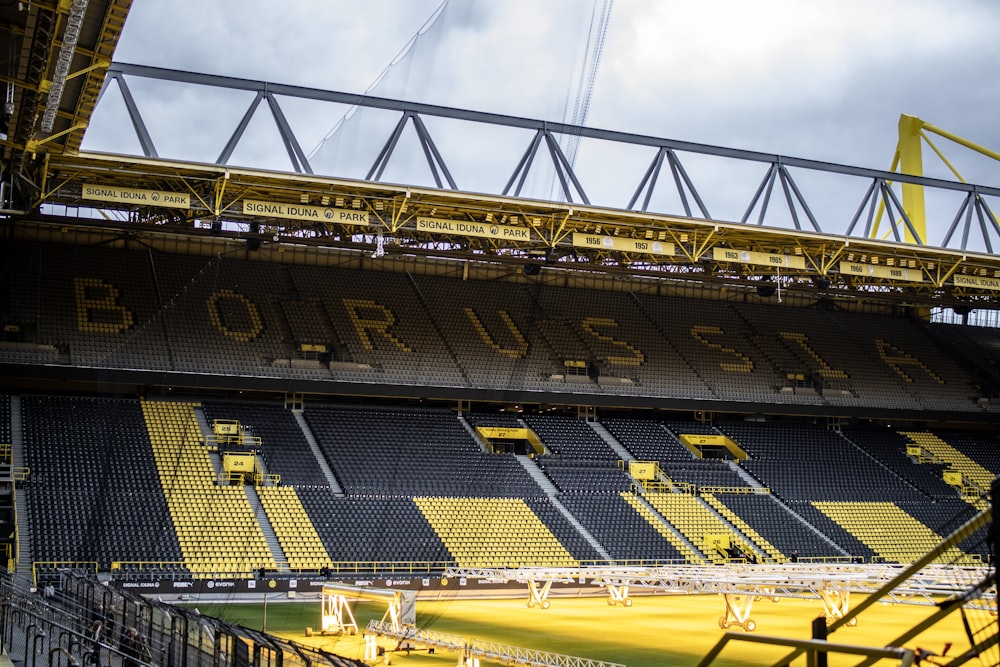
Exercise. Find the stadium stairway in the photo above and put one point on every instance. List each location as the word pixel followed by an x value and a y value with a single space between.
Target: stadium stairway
pixel 599 429
pixel 765 550
pixel 270 538
pixel 22 576
pixel 669 532
pixel 745 476
pixel 550 490
pixel 536 474
pixel 483 445
pixel 300 419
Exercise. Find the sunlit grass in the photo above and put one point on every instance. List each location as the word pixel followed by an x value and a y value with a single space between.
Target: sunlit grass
pixel 655 631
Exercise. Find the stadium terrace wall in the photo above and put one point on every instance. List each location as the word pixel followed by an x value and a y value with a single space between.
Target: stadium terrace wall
pixel 116 382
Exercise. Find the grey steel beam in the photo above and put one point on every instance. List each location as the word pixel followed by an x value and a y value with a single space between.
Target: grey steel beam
pixel 355 99
pixel 789 183
pixel 681 174
pixel 966 202
pixel 234 139
pixel 382 160
pixel 564 170
pixel 145 141
pixel 524 165
pixel 651 175
pixel 295 152
pixel 433 155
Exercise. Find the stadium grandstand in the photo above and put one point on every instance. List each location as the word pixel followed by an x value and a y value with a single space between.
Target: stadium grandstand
pixel 204 390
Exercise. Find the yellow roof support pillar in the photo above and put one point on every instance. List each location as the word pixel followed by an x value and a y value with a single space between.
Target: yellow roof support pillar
pixel 911 162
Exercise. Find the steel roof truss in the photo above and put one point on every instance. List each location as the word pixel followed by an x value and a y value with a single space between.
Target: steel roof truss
pixel 793 197
pixel 564 170
pixel 963 208
pixel 867 199
pixel 145 141
pixel 984 213
pixel 234 139
pixel 295 154
pixel 887 196
pixel 378 167
pixel 434 159
pixel 523 165
pixel 791 188
pixel 681 180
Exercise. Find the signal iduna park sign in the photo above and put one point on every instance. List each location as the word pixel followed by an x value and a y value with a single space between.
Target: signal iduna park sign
pixel 340 216
pixel 470 228
pixel 163 198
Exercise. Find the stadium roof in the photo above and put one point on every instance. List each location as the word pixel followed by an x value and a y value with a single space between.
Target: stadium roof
pixel 58 52
pixel 62 54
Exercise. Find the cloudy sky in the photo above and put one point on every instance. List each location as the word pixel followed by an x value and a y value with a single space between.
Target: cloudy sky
pixel 806 78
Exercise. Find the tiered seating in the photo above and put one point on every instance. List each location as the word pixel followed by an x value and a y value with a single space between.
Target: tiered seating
pixel 814 344
pixel 983 448
pixel 5 433
pixel 624 533
pixel 771 552
pixel 299 541
pixel 704 472
pixel 499 419
pixel 381 320
pixel 881 525
pixel 493 330
pixel 358 531
pixel 570 437
pixel 397 463
pixel 917 363
pixel 216 528
pixel 889 447
pixel 222 315
pixel 12 352
pixel 810 463
pixel 976 346
pixel 836 533
pixel 99 307
pixel 973 474
pixel 693 519
pixel 283 445
pixel 945 516
pixel 646 440
pixel 493 532
pixel 567 534
pixel 688 426
pixel 776 524
pixel 584 476
pixel 721 347
pixel 306 323
pixel 619 337
pixel 412 452
pixel 657 522
pixel 93 494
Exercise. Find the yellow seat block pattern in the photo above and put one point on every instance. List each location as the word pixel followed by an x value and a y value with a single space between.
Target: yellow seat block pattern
pixel 695 521
pixel 889 531
pixel 773 553
pixel 301 544
pixel 690 555
pixel 493 532
pixel 216 528
pixel 971 471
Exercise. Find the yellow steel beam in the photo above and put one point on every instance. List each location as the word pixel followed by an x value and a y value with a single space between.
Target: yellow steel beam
pixel 909 159
pixel 911 162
